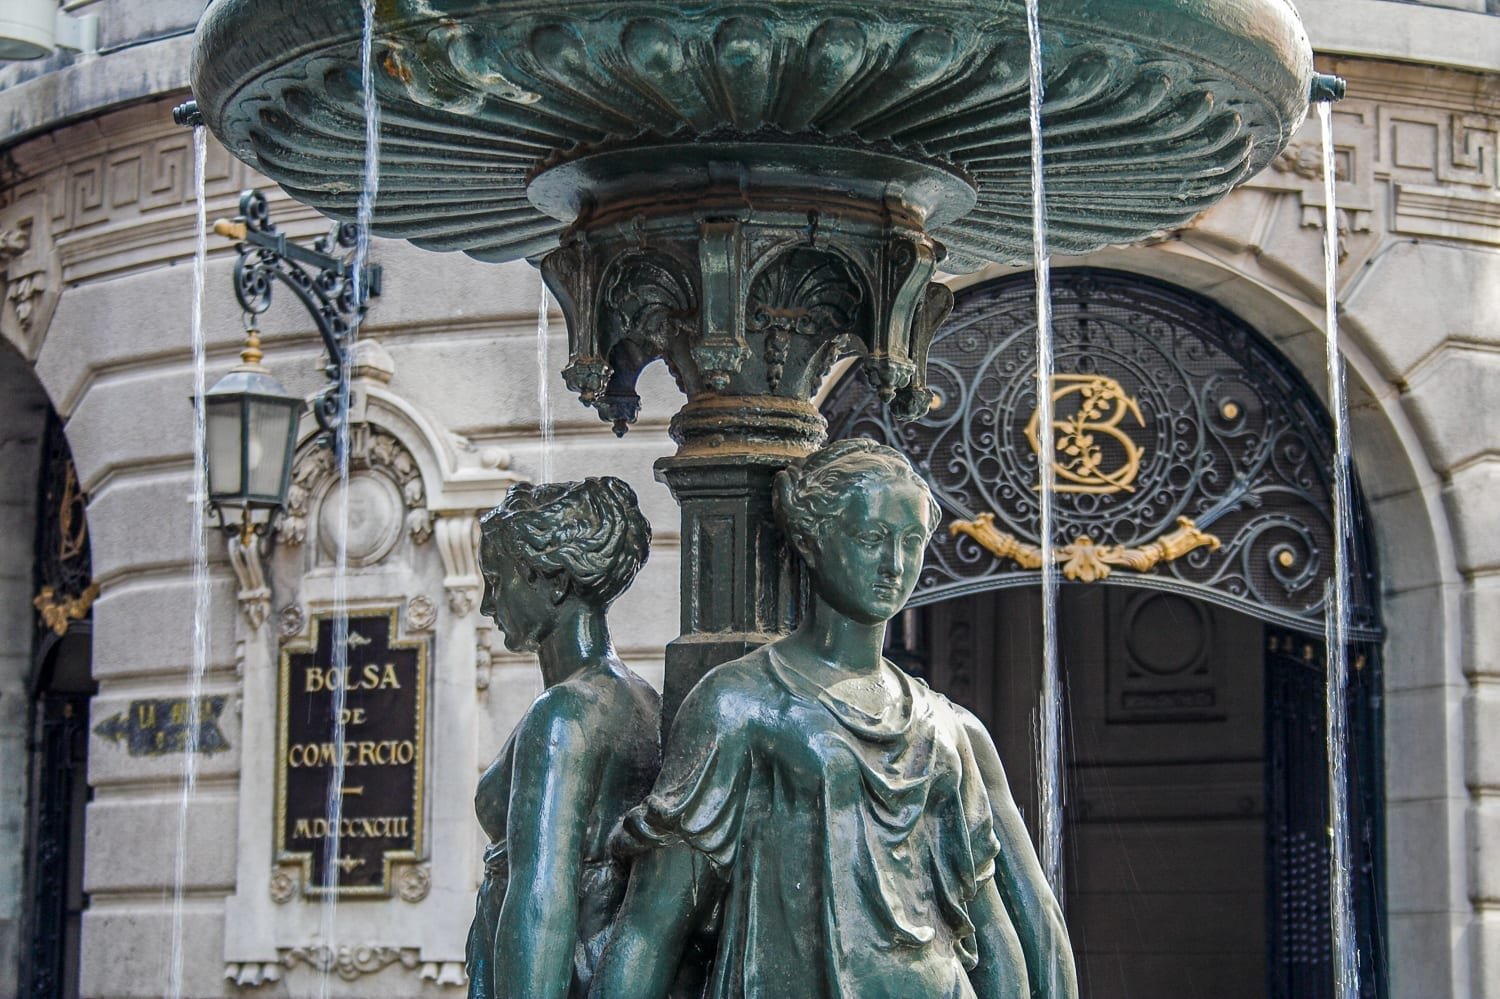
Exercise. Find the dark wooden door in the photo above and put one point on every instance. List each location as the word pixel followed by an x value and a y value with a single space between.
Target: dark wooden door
pixel 1165 814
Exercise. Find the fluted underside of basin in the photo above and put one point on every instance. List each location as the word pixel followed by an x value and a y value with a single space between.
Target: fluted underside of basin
pixel 1154 109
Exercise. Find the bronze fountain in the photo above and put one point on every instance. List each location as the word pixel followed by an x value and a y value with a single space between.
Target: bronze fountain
pixel 748 191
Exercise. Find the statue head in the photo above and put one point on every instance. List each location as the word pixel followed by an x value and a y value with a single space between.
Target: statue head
pixel 860 517
pixel 549 544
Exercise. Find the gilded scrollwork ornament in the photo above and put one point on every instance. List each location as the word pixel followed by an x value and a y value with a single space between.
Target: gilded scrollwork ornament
pixel 1184 450
pixel 58 611
pixel 1084 560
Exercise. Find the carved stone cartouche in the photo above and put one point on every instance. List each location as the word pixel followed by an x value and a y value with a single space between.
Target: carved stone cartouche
pixel 553 558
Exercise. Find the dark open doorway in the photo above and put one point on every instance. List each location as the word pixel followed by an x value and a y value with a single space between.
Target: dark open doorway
pixel 1196 807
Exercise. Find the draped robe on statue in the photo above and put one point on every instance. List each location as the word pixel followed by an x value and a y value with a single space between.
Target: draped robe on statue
pixel 847 846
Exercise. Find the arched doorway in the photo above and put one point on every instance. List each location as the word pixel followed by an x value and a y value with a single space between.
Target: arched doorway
pixel 1193 465
pixel 61 685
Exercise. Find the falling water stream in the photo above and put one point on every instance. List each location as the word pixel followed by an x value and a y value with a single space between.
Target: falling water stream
pixel 1049 720
pixel 543 387
pixel 369 188
pixel 199 548
pixel 1336 616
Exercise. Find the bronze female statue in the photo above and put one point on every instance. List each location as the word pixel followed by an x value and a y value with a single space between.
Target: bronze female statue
pixel 851 829
pixel 554 557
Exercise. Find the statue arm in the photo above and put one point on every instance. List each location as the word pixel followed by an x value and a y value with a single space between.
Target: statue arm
pixel 662 906
pixel 1022 887
pixel 550 796
pixel 1001 972
pixel 674 883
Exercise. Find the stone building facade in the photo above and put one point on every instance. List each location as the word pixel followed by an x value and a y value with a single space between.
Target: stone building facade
pixel 97 210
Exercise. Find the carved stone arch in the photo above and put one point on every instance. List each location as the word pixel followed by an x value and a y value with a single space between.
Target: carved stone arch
pixel 1205 470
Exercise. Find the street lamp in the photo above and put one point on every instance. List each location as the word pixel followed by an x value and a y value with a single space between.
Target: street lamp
pixel 251 435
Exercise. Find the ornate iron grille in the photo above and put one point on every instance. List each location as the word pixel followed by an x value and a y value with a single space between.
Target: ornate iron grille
pixel 1298 921
pixel 1188 454
pixel 58 771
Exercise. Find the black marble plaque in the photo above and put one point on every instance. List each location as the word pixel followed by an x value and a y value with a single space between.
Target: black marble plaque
pixel 378 818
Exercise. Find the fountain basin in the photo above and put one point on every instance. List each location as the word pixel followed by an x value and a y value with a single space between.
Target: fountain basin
pixel 497 116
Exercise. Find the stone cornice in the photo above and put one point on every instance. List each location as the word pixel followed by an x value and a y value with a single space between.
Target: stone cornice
pixel 94 84
pixel 1435 87
pixel 1408 32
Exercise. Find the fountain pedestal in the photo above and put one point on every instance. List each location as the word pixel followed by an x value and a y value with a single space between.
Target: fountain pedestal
pixel 748 283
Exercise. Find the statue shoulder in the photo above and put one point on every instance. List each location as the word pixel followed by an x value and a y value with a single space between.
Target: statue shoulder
pixel 964 720
pixel 558 721
pixel 721 695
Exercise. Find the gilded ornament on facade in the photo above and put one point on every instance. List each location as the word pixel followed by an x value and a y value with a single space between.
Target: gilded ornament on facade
pixel 1084 560
pixel 1080 461
pixel 59 611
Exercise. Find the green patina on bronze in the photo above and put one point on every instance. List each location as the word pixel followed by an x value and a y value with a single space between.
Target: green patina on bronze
pixel 748 191
pixel 851 830
pixel 554 557
pixel 1155 107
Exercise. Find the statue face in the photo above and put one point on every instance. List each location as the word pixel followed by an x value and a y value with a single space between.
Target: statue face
pixel 522 607
pixel 866 559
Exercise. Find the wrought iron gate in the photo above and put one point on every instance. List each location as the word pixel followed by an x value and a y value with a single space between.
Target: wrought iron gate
pixel 1189 454
pixel 1190 457
pixel 58 778
pixel 1297 855
pixel 61 686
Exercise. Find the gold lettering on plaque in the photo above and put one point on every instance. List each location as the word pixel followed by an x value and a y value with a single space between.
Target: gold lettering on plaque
pixel 1089 452
pixel 351 725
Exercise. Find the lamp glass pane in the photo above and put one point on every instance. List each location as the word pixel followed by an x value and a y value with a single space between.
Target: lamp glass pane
pixel 223 449
pixel 266 439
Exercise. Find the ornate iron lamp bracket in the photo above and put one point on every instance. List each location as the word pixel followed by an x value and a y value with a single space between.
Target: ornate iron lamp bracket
pixel 321 280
